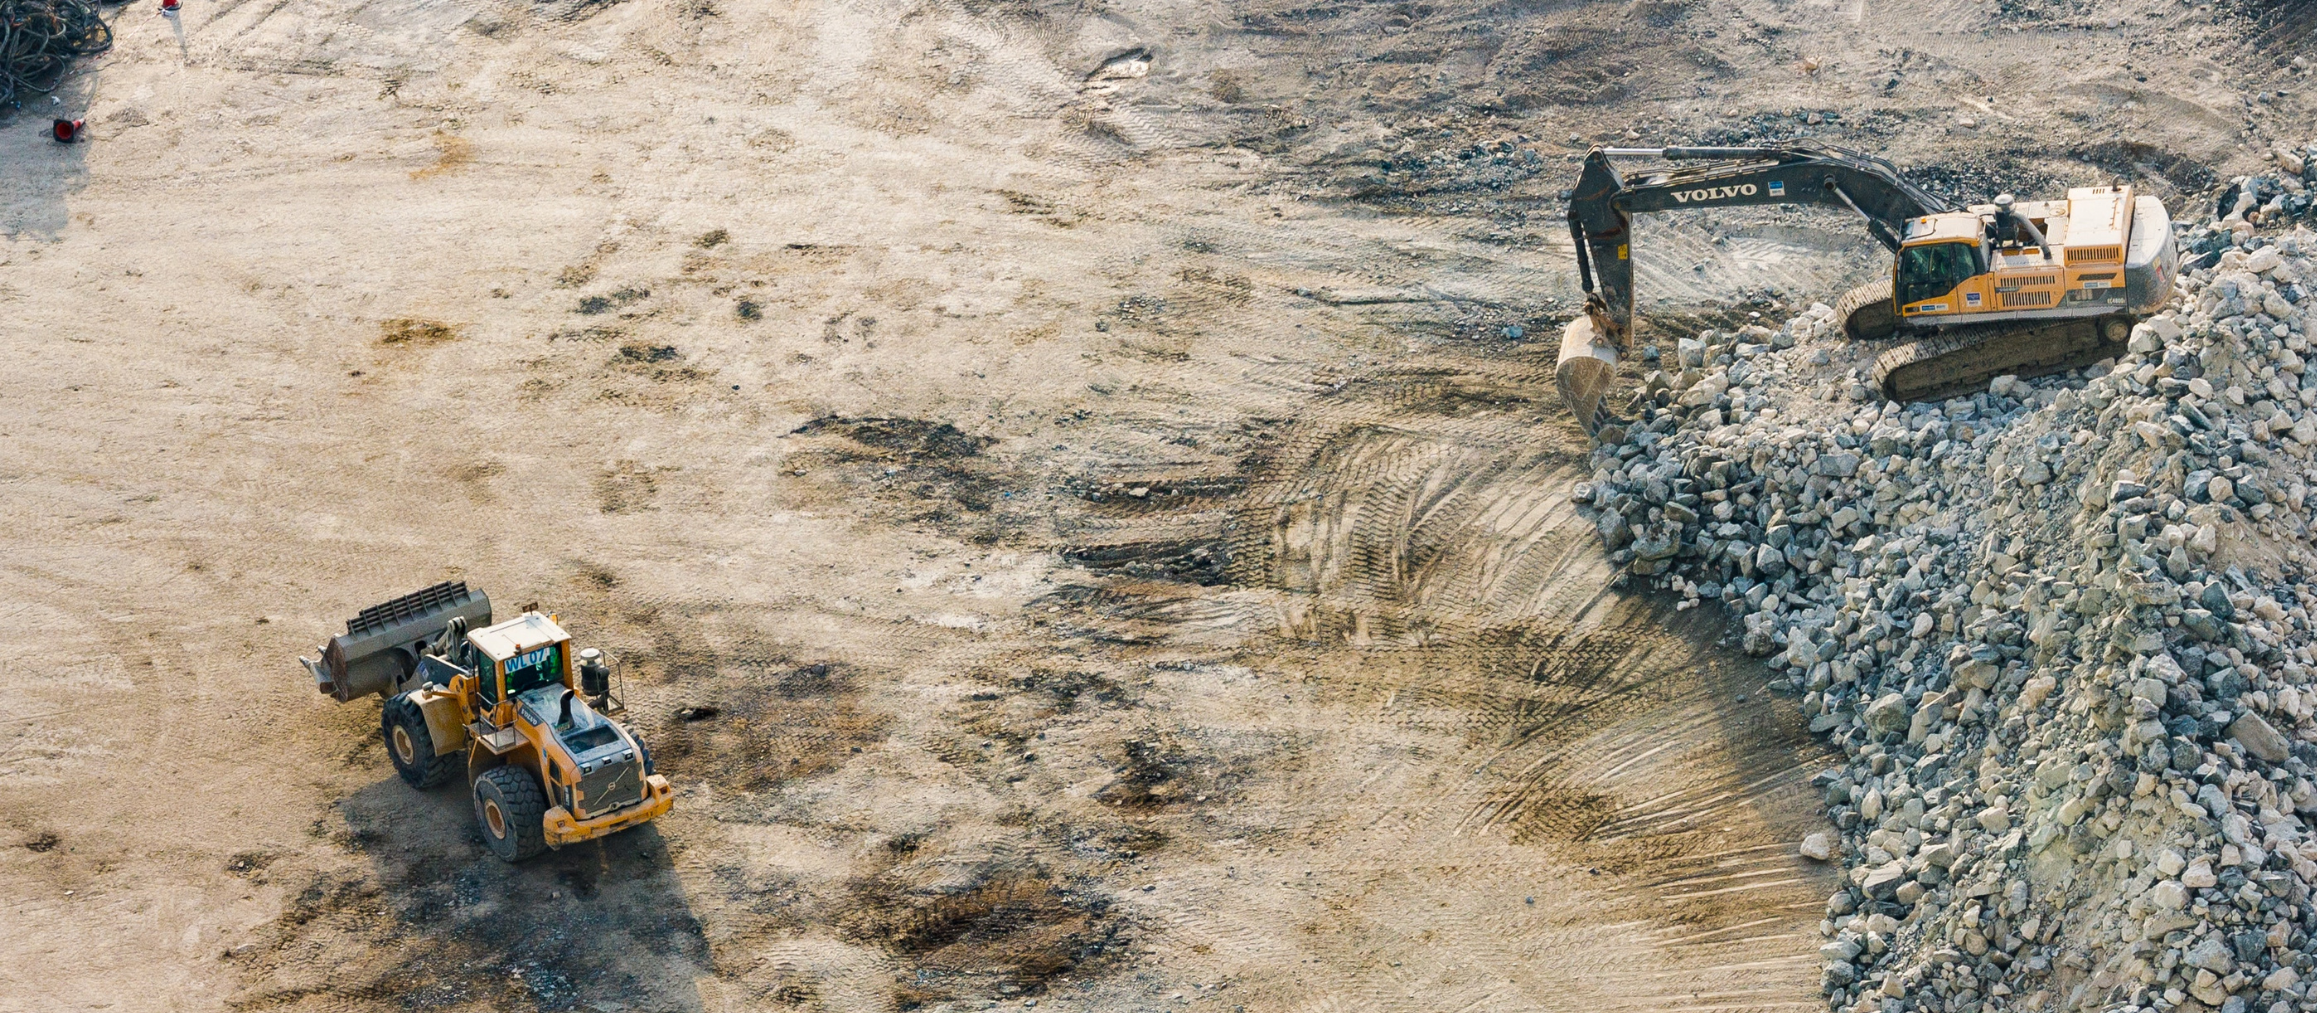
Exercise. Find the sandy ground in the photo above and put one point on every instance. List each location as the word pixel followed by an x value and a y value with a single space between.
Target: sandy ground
pixel 1095 460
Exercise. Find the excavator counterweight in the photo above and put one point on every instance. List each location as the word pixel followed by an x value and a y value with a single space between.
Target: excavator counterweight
pixel 1974 292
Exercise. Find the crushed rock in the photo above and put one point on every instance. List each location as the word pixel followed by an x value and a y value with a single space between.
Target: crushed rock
pixel 2061 628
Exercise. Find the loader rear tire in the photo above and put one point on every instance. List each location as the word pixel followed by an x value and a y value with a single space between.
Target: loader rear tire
pixel 411 746
pixel 512 813
pixel 1868 312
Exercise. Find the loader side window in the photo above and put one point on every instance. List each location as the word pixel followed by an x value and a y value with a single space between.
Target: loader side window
pixel 1931 271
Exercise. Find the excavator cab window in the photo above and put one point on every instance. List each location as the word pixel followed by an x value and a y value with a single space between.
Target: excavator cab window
pixel 1934 269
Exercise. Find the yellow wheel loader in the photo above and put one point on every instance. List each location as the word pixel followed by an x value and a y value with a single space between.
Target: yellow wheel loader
pixel 2020 288
pixel 529 722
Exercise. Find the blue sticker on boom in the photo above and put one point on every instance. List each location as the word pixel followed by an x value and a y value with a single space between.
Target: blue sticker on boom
pixel 1777 188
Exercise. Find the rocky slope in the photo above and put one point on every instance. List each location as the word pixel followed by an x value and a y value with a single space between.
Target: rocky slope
pixel 2061 628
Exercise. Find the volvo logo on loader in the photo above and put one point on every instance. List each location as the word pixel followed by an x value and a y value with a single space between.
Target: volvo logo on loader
pixel 1716 193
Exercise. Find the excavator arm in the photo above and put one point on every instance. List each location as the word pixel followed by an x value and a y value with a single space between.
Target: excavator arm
pixel 1602 205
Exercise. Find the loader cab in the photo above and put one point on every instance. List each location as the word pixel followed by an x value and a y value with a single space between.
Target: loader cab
pixel 513 657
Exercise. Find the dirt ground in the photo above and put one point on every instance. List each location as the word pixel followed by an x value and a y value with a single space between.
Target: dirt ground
pixel 1076 488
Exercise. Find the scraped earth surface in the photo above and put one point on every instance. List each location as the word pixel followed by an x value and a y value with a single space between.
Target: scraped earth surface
pixel 1076 492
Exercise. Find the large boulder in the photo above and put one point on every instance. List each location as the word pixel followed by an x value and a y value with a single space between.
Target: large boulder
pixel 2210 954
pixel 1883 881
pixel 1887 716
pixel 2260 738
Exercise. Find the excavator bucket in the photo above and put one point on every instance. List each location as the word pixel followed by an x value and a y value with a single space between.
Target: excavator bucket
pixel 381 645
pixel 1587 368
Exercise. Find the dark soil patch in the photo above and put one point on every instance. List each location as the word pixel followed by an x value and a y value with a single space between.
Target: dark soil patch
pixel 402 331
pixel 914 439
pixel 625 487
pixel 435 922
pixel 633 354
pixel 662 363
pixel 2134 161
pixel 769 727
pixel 618 299
pixel 934 467
pixel 1155 774
pixel 1009 932
pixel 1203 561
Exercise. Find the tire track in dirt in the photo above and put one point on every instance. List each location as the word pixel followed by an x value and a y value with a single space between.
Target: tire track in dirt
pixel 1483 711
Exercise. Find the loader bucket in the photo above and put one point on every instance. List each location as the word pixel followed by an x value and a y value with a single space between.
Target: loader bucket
pixel 381 646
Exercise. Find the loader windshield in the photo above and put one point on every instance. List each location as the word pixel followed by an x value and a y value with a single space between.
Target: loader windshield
pixel 1934 269
pixel 533 669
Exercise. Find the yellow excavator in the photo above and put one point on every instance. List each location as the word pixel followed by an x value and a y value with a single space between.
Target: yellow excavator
pixel 2023 288
pixel 532 722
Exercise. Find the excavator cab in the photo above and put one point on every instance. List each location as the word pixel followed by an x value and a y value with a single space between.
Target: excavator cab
pixel 1933 268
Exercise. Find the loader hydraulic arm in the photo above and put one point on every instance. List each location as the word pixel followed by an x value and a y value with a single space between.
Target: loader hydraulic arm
pixel 1603 203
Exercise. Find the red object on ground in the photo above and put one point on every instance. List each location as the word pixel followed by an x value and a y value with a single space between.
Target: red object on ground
pixel 169 7
pixel 66 131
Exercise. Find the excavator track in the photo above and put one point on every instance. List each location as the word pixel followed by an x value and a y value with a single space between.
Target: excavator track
pixel 1866 313
pixel 1961 360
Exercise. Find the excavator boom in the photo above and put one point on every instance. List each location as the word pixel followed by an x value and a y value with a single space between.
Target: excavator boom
pixel 1603 202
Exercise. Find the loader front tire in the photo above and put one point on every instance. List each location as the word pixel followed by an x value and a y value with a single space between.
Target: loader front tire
pixel 411 747
pixel 511 811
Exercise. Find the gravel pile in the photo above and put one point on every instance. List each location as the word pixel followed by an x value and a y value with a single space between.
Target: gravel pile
pixel 2061 628
pixel 2282 197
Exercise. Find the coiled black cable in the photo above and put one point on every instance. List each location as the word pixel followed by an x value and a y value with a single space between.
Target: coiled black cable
pixel 39 38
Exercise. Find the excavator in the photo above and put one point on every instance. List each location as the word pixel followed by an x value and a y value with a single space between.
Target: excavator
pixel 533 723
pixel 2023 288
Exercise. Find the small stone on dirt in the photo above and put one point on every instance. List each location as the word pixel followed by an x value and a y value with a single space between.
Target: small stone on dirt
pixel 1818 847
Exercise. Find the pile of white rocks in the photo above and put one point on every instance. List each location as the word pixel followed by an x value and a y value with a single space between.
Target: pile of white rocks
pixel 2275 198
pixel 2286 194
pixel 2061 628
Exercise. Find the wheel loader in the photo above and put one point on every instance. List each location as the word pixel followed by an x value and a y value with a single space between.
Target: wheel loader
pixel 530 723
pixel 2023 288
